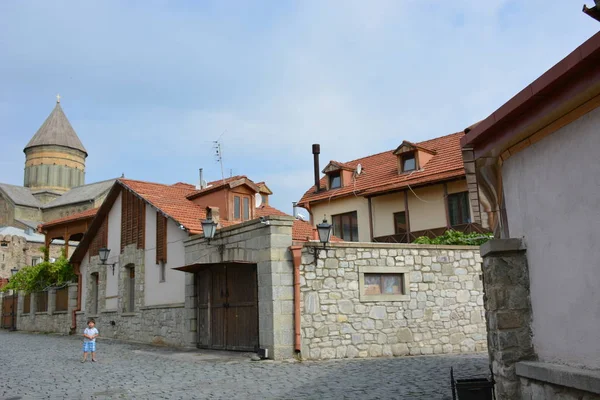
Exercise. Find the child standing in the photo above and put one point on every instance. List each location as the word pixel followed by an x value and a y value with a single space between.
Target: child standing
pixel 89 340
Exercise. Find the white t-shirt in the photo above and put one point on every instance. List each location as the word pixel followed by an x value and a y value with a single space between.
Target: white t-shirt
pixel 90 332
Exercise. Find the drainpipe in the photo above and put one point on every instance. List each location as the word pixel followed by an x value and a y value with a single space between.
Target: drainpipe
pixel 78 308
pixel 297 258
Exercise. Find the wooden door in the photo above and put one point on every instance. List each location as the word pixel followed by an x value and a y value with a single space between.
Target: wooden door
pixel 9 306
pixel 228 307
pixel 203 285
pixel 242 308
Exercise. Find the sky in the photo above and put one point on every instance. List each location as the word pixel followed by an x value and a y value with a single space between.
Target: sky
pixel 150 85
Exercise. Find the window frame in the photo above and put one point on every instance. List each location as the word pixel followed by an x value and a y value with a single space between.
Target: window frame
pixel 340 235
pixel 362 270
pixel 332 176
pixel 237 209
pixel 396 232
pixel 460 195
pixel 246 214
pixel 162 271
pixel 407 156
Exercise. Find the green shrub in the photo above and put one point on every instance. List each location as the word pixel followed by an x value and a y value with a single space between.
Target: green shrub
pixel 35 278
pixel 452 237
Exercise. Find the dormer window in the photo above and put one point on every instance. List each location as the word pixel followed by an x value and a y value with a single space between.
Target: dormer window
pixel 409 162
pixel 335 180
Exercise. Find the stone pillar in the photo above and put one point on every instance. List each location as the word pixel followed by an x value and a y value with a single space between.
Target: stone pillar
pixel 51 301
pixel 507 311
pixel 190 312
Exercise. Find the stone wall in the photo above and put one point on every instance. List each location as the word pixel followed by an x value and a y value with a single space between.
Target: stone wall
pixel 50 320
pixel 161 325
pixel 440 312
pixel 18 253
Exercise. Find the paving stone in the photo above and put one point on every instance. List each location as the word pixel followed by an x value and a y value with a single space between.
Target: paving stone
pixel 47 366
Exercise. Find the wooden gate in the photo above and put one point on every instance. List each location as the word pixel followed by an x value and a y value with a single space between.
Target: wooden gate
pixel 7 320
pixel 228 307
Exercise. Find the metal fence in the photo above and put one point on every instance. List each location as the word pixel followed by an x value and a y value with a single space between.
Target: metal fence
pixel 41 299
pixel 62 299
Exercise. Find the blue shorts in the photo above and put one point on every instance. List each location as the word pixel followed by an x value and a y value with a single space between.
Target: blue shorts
pixel 89 347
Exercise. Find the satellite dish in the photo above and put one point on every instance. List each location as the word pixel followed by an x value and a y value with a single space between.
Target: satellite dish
pixel 257 200
pixel 358 169
pixel 300 217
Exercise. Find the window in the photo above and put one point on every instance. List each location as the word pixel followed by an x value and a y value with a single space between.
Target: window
pixel 3 244
pixel 246 201
pixel 265 199
pixel 236 207
pixel 345 226
pixel 131 290
pixel 383 283
pixel 95 291
pixel 335 180
pixel 161 238
pixel 399 222
pixel 409 163
pixel 458 208
pixel 36 260
pixel 162 272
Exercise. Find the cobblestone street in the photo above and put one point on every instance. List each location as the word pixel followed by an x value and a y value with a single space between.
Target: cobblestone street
pixel 47 366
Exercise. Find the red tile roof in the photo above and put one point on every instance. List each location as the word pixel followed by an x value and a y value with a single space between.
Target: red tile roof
pixel 380 171
pixel 91 213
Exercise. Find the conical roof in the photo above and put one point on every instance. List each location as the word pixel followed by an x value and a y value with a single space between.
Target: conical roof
pixel 56 130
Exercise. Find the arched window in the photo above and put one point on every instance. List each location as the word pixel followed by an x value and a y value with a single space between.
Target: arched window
pixel 130 285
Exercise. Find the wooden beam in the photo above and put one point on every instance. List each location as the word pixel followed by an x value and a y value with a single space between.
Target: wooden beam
pixel 370 218
pixel 407 216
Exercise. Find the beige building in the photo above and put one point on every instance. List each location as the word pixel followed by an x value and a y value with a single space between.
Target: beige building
pixel 54 185
pixel 418 189
pixel 537 164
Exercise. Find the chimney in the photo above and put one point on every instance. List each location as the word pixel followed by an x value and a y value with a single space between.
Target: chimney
pixel 200 184
pixel 213 212
pixel 294 204
pixel 316 150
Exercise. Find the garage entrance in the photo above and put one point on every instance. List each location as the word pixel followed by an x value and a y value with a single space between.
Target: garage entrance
pixel 227 306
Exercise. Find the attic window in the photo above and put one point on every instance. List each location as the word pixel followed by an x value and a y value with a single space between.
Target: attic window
pixel 335 180
pixel 409 162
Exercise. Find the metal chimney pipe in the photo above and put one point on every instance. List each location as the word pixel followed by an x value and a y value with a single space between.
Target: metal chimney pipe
pixel 316 150
pixel 200 185
pixel 294 205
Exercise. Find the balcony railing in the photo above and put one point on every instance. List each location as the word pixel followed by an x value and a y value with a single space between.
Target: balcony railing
pixel 406 237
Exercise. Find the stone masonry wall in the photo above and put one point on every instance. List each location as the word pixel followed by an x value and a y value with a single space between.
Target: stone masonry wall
pixel 18 253
pixel 50 320
pixel 441 312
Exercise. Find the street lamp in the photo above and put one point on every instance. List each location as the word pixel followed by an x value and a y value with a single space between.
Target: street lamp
pixel 209 227
pixel 13 327
pixel 324 230
pixel 103 253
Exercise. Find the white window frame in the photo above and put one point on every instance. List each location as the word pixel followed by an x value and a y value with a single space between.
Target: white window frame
pixel 362 270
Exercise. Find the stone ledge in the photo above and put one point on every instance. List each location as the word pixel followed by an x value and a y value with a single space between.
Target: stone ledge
pixel 498 246
pixel 163 306
pixel 374 245
pixel 562 375
pixel 133 314
pixel 59 312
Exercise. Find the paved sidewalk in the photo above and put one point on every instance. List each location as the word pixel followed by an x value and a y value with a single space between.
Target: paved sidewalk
pixel 36 366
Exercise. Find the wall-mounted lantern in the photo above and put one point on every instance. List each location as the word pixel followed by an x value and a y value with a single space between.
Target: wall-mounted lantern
pixel 103 253
pixel 324 230
pixel 209 227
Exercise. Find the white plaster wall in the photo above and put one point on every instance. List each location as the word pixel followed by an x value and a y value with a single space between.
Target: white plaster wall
pixel 172 290
pixel 114 244
pixel 347 204
pixel 552 194
pixel 384 208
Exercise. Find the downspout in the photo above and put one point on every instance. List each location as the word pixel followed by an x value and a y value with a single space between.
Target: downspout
pixel 78 308
pixel 297 258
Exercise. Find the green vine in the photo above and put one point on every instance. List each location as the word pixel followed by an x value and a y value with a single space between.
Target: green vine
pixel 452 237
pixel 36 278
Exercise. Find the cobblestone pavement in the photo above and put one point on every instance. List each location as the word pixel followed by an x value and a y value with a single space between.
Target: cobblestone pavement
pixel 40 366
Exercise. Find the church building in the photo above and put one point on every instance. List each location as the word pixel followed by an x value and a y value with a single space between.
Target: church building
pixel 53 187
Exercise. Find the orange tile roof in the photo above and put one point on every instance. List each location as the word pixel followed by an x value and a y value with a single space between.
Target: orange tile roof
pixel 70 218
pixel 302 231
pixel 380 171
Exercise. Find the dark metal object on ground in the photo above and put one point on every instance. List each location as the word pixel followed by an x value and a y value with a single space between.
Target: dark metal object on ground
pixel 472 389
